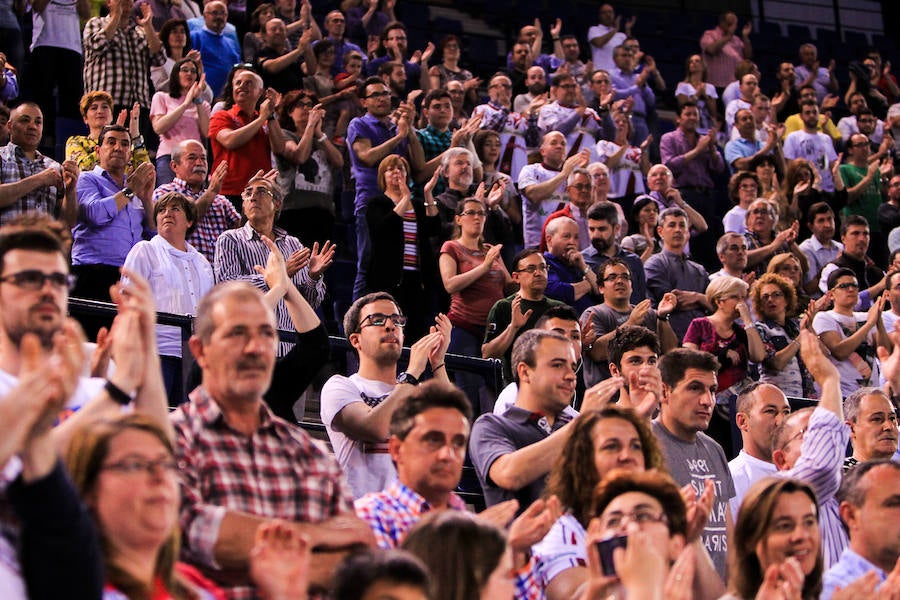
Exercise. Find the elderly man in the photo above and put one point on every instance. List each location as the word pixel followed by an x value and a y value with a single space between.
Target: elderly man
pixel 569 115
pixel 542 184
pixel 244 137
pixel 579 189
pixel 118 54
pixel 238 251
pixel 748 87
pixel 868 508
pixel 356 410
pixel 226 432
pixel 732 252
pixel 723 50
pixel 280 64
pixel 671 271
pixel 569 279
pixel 218 51
pixel 114 214
pixel 872 418
pixel 215 214
pixel 30 181
pixel 335 28
pixel 811 72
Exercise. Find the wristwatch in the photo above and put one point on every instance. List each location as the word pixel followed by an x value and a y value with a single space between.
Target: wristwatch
pixel 405 377
pixel 128 193
pixel 664 317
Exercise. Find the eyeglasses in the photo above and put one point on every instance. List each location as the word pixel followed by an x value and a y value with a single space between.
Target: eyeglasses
pixel 613 276
pixel 305 105
pixel 568 86
pixel 379 319
pixel 248 193
pixel 847 285
pixel 773 296
pixel 474 213
pixel 797 435
pixel 135 466
pixel 532 269
pixel 616 520
pixel 33 280
pixel 378 95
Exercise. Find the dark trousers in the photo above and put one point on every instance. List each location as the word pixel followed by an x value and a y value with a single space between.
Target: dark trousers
pixel 93 283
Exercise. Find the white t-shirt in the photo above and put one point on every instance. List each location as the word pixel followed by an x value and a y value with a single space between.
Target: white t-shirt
pixel 735 220
pixel 535 213
pixel 629 168
pixel 851 379
pixel 603 57
pixel 57 26
pixel 368 466
pixel 817 148
pixel 562 548
pixel 745 471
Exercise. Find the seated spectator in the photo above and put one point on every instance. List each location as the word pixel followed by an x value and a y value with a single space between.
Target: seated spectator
pixel 777 542
pixel 723 50
pixel 732 252
pixel 218 51
pixel 695 88
pixel 474 275
pixel 628 164
pixel 774 300
pixel 218 520
pixel 126 472
pixel 374 572
pixel 569 279
pixel 767 170
pixel 743 189
pixel 178 276
pixel 402 262
pixel 873 426
pixel 759 410
pixel 869 278
pixel 29 181
pixel 114 214
pixel 764 241
pixel 176 41
pixel 644 242
pixel 618 309
pixel 356 410
pixel 850 336
pixel 671 271
pixel 97 110
pixel 179 114
pixel 871 556
pixel 720 334
pixel 604 228
pixel 306 169
pixel 740 152
pixel 811 144
pixel 788 266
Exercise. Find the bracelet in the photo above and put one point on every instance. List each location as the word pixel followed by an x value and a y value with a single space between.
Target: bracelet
pixel 430 204
pixel 322 139
pixel 434 369
pixel 117 394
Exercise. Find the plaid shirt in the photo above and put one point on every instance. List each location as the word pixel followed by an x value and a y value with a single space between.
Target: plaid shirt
pixel 433 141
pixel 278 473
pixel 239 250
pixel 394 511
pixel 220 216
pixel 14 167
pixel 120 65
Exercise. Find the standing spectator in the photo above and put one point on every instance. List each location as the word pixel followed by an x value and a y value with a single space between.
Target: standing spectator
pixel 811 144
pixel 449 70
pixel 811 72
pixel 855 241
pixel 9 82
pixel 393 48
pixel 569 115
pixel 731 250
pixel 764 241
pixel 97 113
pixel 603 233
pixel 56 58
pixel 487 149
pixel 697 89
pixel 644 242
pixel 118 55
pixel 30 181
pixel 12 45
pixel 723 50
pixel 177 45
pixel 628 164
pixel 215 213
pixel 850 336
pixel 889 211
pixel 605 37
pixel 364 19
pixel 179 114
pixel 741 151
pixel 628 83
pixel 217 50
pixel 244 137
pixel 748 86
pixel 849 125
pixel 281 65
pixel 863 180
pixel 335 26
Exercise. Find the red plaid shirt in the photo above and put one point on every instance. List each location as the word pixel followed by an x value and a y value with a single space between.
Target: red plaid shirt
pixel 279 472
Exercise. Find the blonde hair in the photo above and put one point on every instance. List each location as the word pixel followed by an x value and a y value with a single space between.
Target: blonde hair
pixel 724 286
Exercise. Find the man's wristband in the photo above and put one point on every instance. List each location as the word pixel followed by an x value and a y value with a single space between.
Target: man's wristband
pixel 117 394
pixel 665 317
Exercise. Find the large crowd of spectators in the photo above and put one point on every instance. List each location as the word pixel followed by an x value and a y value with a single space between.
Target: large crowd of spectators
pixel 696 320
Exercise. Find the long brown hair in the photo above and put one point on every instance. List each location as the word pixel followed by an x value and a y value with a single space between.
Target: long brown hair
pixel 85 455
pixel 574 475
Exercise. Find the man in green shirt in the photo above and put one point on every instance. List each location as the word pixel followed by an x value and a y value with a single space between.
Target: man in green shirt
pixel 863 180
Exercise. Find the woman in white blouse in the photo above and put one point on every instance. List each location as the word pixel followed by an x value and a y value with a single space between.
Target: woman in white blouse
pixel 179 277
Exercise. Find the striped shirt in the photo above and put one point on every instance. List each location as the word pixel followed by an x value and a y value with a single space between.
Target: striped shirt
pixel 239 250
pixel 119 65
pixel 14 167
pixel 410 249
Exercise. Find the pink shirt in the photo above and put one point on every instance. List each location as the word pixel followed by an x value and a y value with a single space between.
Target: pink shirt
pixel 720 66
pixel 186 128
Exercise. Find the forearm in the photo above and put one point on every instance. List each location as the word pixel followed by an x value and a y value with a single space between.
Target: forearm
pixel 667 338
pixel 276 137
pixel 164 122
pixel 237 532
pixel 581 289
pixel 498 346
pixel 68 209
pixel 517 469
pixel 370 157
pixel 843 349
pixel 538 192
pixel 277 65
pixel 233 139
pixel 783 357
pixel 460 281
pixel 10 193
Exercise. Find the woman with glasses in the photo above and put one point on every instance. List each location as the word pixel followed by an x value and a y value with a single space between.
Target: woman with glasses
pixel 696 88
pixel 474 275
pixel 733 344
pixel 306 169
pixel 775 303
pixel 402 262
pixel 777 543
pixel 126 473
pixel 743 189
pixel 762 240
pixel 179 114
pixel 851 337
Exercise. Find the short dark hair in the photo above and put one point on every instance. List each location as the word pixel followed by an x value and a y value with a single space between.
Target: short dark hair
pixel 564 312
pixel 323 46
pixel 837 274
pixel 851 220
pixel 819 208
pixel 688 104
pixel 809 102
pixel 431 394
pixel 436 94
pixel 190 210
pixel 113 127
pixel 628 338
pixel 351 317
pixel 35 239
pixel 613 262
pixel 673 365
pixel 525 347
pixel 360 570
pixel 522 255
pixel 361 88
pixel 604 210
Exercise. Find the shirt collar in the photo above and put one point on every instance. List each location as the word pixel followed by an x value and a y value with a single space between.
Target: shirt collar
pixel 415 503
pixel 252 234
pixel 210 413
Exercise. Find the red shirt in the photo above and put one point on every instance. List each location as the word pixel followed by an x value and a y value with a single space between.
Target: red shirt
pixel 244 161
